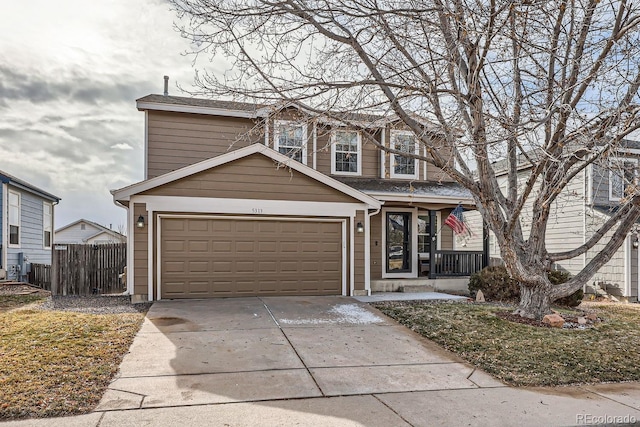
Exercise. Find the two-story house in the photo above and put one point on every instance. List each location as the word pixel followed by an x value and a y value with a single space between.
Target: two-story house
pixel 584 205
pixel 242 199
pixel 26 231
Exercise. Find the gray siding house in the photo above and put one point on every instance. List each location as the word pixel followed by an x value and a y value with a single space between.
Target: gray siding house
pixel 26 231
pixel 581 209
pixel 85 232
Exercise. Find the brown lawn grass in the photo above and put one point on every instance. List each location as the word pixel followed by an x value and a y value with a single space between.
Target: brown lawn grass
pixel 527 355
pixel 58 363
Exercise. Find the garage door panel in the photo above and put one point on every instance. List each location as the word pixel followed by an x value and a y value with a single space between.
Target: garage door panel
pixel 199 267
pixel 233 257
pixel 245 247
pixel 195 225
pixel 221 246
pixel 174 245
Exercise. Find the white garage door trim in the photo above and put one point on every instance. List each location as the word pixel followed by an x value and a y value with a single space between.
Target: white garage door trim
pixel 246 218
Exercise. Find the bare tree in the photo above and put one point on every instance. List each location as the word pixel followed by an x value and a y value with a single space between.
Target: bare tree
pixel 552 84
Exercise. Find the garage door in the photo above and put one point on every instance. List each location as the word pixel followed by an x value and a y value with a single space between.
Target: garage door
pixel 238 257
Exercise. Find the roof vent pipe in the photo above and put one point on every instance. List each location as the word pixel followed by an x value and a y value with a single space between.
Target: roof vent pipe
pixel 166 85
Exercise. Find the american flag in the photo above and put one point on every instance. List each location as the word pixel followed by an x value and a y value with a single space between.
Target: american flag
pixel 455 221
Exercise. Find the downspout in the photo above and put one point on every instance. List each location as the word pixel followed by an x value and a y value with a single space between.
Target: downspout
pixel 5 221
pixel 367 249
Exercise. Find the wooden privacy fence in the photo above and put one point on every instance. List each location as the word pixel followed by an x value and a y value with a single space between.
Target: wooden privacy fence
pixel 40 275
pixel 87 269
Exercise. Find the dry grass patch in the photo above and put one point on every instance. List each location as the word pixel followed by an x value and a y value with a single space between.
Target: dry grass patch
pixel 527 355
pixel 9 302
pixel 59 363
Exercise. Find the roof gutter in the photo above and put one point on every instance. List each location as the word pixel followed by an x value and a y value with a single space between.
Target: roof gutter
pixel 177 108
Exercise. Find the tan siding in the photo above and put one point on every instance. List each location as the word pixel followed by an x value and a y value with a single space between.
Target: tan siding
pixel 253 177
pixel 376 246
pixel 446 233
pixel 176 140
pixel 323 151
pixel 370 157
pixel 436 174
pixel 359 253
pixel 140 253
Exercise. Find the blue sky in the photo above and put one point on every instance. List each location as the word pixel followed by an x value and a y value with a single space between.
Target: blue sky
pixel 70 72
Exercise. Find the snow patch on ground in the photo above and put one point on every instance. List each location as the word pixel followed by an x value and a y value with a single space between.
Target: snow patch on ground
pixel 340 314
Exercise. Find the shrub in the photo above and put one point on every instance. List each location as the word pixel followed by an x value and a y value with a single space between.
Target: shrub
pixel 573 300
pixel 497 285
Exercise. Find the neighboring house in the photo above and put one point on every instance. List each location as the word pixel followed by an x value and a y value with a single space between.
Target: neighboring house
pixel 26 233
pixel 581 209
pixel 241 199
pixel 87 232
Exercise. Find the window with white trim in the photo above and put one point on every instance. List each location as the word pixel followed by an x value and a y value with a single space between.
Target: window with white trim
pixel 623 175
pixel 47 224
pixel 290 139
pixel 14 218
pixel 346 150
pixel 404 166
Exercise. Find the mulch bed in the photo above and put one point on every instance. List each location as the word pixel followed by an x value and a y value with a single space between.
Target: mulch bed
pixel 571 320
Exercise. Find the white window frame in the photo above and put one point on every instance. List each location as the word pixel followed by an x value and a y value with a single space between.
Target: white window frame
pixel 9 223
pixel 392 156
pixel 358 153
pixel 46 223
pixel 276 136
pixel 613 171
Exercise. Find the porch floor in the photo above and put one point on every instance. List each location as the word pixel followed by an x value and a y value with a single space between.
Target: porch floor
pixel 415 296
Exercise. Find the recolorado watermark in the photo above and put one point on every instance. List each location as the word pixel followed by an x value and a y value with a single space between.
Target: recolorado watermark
pixel 590 419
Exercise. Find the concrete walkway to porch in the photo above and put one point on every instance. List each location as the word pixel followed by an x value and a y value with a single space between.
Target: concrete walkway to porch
pixel 318 361
pixel 409 296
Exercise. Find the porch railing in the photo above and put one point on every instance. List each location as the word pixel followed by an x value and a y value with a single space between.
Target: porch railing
pixel 455 263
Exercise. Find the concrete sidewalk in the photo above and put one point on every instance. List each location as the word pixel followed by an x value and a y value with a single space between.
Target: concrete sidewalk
pixel 318 361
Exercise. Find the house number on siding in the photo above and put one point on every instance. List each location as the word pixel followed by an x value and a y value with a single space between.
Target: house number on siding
pixel 256 210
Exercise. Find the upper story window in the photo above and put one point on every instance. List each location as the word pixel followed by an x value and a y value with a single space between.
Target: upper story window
pixel 47 224
pixel 404 166
pixel 623 174
pixel 346 150
pixel 14 218
pixel 290 139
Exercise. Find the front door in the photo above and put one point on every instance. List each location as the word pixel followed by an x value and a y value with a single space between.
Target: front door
pixel 398 250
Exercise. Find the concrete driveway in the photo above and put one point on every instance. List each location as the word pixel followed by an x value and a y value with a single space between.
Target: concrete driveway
pixel 316 361
pixel 258 349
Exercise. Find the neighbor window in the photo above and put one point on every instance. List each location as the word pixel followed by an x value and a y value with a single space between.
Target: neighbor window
pixel 404 166
pixel 14 218
pixel 345 152
pixel 47 224
pixel 290 140
pixel 623 174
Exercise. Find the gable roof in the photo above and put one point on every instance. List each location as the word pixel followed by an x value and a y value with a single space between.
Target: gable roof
pixel 6 178
pixel 102 229
pixel 182 104
pixel 416 191
pixel 125 193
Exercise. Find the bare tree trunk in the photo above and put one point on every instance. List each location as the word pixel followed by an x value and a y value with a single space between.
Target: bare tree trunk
pixel 535 302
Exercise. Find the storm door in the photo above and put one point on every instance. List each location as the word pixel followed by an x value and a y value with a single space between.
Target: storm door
pixel 398 239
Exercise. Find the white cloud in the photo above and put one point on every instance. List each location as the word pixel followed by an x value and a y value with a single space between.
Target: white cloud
pixel 70 72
